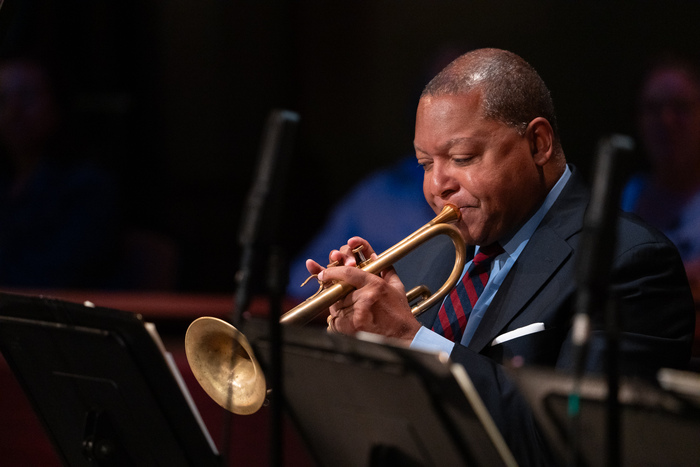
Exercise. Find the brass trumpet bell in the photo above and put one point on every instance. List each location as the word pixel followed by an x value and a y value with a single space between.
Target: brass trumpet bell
pixel 223 363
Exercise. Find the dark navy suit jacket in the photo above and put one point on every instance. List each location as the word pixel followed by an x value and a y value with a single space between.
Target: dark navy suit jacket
pixel 647 281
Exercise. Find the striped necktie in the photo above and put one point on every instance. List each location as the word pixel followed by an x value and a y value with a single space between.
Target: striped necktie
pixel 452 317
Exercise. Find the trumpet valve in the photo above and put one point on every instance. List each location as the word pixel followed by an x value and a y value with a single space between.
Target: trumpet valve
pixel 360 259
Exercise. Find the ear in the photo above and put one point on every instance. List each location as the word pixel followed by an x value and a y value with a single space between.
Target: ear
pixel 541 138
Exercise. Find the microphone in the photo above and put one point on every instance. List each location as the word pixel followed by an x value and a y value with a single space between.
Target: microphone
pixel 592 273
pixel 258 228
pixel 598 239
pixel 264 199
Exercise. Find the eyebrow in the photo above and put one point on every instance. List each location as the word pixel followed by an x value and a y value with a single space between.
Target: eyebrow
pixel 450 143
pixel 463 139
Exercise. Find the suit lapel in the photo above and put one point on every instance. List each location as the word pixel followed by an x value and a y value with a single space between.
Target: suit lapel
pixel 543 255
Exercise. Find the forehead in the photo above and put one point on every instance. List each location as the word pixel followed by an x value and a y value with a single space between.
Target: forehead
pixel 446 105
pixel 445 119
pixel 449 112
pixel 669 83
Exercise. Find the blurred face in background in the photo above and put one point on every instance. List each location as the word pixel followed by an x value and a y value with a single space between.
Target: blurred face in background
pixel 28 115
pixel 669 122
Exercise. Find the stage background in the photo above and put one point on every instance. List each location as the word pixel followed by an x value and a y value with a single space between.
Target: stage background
pixel 173 95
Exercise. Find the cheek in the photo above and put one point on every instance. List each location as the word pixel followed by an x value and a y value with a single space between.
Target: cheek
pixel 505 194
pixel 483 186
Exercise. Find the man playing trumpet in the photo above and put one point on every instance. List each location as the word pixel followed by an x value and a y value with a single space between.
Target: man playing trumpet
pixel 487 138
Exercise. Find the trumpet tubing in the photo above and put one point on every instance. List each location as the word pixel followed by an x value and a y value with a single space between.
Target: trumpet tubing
pixel 441 225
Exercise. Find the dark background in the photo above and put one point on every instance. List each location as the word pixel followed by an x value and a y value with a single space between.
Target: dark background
pixel 172 95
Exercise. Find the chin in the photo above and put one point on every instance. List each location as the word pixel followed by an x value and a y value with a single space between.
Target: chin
pixel 468 239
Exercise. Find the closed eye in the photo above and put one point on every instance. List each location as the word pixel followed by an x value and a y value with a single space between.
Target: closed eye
pixel 463 160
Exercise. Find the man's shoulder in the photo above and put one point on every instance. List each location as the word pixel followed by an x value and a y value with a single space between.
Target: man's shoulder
pixel 633 229
pixel 640 240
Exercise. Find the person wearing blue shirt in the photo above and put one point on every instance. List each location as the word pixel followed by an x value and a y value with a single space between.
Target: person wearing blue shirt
pixel 667 195
pixel 486 135
pixel 60 215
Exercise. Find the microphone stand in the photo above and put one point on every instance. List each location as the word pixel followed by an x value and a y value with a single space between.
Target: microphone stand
pixel 276 283
pixel 259 230
pixel 593 270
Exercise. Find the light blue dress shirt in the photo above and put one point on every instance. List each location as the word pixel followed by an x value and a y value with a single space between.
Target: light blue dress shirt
pixel 429 340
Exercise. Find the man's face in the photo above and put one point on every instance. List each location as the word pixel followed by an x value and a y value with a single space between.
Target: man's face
pixel 27 110
pixel 482 166
pixel 670 120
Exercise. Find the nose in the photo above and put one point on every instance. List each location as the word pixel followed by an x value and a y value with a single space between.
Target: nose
pixel 441 184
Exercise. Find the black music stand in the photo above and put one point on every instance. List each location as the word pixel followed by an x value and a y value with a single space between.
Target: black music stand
pixel 100 382
pixel 360 403
pixel 658 427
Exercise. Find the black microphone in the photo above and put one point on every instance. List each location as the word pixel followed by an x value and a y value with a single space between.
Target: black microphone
pixel 258 231
pixel 592 273
pixel 598 239
pixel 264 200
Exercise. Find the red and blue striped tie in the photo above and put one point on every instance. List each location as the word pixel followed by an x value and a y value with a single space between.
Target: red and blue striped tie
pixel 452 317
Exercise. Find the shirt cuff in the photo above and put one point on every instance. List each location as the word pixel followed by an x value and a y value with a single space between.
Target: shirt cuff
pixel 430 341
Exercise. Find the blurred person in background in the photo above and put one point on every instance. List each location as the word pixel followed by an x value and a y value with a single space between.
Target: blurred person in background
pixel 668 194
pixel 59 215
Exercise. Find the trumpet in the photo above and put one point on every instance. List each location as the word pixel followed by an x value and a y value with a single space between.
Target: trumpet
pixel 222 360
